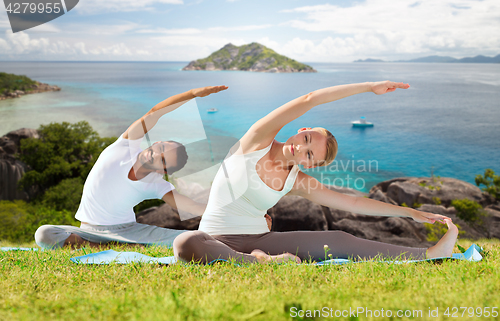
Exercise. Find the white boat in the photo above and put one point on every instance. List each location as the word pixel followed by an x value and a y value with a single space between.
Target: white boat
pixel 361 123
pixel 212 110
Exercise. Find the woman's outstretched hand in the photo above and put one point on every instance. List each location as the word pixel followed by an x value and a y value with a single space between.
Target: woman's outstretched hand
pixel 424 217
pixel 383 87
pixel 205 91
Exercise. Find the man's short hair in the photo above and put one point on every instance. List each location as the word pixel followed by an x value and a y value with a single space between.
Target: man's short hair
pixel 182 158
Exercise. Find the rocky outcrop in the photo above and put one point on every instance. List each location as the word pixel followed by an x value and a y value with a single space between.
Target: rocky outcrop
pixel 424 190
pixel 36 88
pixel 434 195
pixel 12 169
pixel 251 57
pixel 295 213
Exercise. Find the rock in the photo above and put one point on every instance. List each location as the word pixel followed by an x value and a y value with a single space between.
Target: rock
pixel 437 209
pixel 12 169
pixel 11 142
pixel 404 192
pixel 295 213
pixel 166 216
pixel 385 184
pixel 210 66
pixel 493 220
pixel 8 146
pixel 411 190
pixel 378 195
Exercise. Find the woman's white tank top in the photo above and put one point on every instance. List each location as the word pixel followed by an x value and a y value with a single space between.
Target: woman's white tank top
pixel 239 198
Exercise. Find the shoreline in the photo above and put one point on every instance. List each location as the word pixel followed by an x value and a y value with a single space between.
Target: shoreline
pixel 36 89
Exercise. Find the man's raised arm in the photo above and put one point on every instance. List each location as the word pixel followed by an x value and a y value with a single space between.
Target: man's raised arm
pixel 144 124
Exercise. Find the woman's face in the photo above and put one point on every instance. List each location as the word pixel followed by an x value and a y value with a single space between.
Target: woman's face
pixel 307 148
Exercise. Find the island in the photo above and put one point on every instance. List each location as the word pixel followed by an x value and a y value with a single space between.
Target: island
pixel 251 57
pixel 14 86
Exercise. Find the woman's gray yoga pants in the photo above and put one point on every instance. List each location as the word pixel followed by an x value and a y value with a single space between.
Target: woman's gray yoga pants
pixel 200 247
pixel 53 236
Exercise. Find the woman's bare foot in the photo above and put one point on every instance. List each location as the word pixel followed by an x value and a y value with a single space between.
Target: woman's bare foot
pixel 444 248
pixel 262 257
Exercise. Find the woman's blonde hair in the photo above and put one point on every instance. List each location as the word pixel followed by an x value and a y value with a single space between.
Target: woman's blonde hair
pixel 331 146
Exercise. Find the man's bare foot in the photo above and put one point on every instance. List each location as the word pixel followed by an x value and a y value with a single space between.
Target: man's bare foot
pixel 75 241
pixel 444 248
pixel 262 257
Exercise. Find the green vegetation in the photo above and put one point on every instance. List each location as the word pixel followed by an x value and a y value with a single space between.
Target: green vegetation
pixel 469 211
pixel 11 82
pixel 19 220
pixel 147 204
pixel 244 60
pixel 436 231
pixel 45 285
pixel 491 182
pixel 63 151
pixel 414 205
pixel 436 200
pixel 60 162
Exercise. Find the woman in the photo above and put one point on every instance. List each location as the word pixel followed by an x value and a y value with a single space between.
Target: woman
pixel 260 170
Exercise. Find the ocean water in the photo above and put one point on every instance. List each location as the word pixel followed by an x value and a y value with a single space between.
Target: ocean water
pixel 446 124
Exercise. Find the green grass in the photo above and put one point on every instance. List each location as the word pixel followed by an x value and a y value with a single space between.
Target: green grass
pixel 47 286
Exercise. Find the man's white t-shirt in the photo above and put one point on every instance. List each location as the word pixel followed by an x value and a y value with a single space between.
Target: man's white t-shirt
pixel 109 195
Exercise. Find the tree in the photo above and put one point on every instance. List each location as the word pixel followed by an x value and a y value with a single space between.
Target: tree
pixel 63 151
pixel 491 181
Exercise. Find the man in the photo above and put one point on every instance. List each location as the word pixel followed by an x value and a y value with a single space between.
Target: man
pixel 123 176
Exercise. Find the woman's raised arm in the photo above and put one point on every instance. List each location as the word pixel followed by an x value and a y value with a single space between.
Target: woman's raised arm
pixel 310 188
pixel 262 133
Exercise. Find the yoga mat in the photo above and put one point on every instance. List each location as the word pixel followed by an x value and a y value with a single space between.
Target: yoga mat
pixel 110 256
pixel 19 248
pixel 472 254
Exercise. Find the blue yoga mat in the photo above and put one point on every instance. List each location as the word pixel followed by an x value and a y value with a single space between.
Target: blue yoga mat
pixel 110 256
pixel 472 254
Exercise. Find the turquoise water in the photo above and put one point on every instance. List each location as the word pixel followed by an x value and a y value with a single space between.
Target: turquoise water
pixel 445 124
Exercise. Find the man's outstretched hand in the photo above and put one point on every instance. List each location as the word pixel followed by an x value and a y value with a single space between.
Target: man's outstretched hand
pixel 383 87
pixel 205 91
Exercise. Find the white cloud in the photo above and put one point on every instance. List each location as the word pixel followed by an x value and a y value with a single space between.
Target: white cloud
pixel 180 31
pixel 100 6
pixel 20 45
pixel 80 47
pixel 386 27
pixel 268 43
pixel 104 29
pixel 114 50
pixel 241 28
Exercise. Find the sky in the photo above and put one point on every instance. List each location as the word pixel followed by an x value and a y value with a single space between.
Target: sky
pixel 305 30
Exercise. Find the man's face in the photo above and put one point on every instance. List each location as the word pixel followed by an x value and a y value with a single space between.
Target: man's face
pixel 159 157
